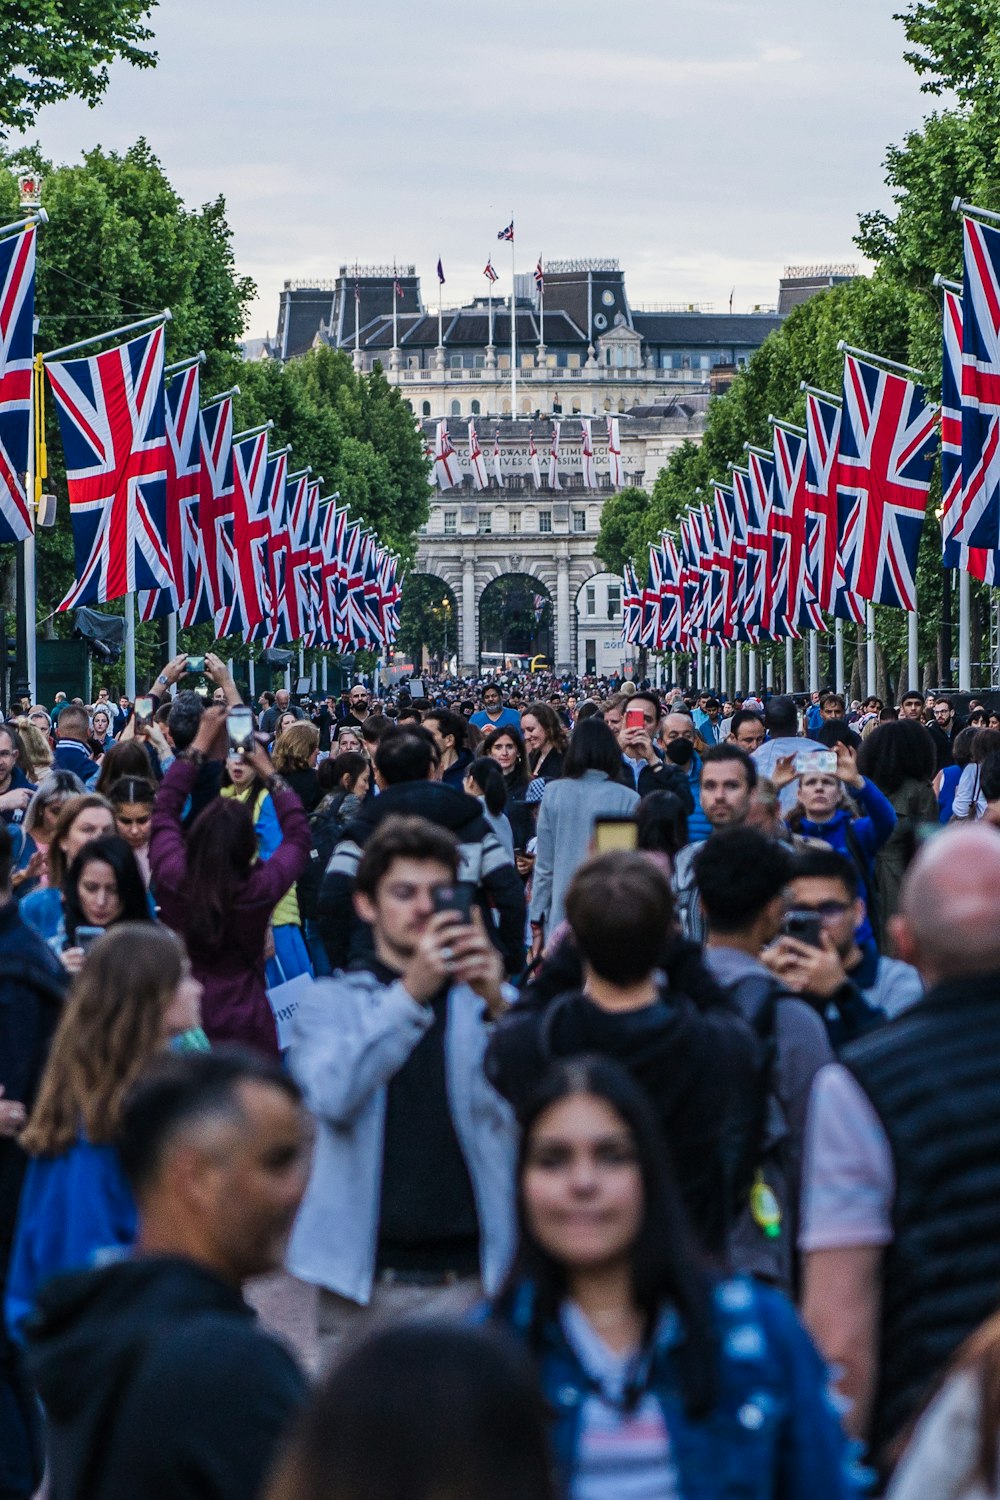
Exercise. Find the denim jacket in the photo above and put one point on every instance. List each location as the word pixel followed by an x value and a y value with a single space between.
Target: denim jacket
pixel 773 1434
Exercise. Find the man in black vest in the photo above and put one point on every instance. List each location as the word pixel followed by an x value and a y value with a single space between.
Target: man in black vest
pixel 901 1192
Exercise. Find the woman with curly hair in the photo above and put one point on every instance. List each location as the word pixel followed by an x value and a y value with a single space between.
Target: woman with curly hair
pixel 133 995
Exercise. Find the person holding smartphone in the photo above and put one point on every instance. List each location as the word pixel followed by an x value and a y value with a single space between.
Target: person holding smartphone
pixel 410 1206
pixel 104 886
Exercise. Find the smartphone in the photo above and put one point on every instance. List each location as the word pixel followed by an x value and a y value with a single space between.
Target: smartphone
pixel 239 723
pixel 195 664
pixel 818 762
pixel 613 835
pixel 87 935
pixel 635 718
pixel 144 710
pixel 804 926
pixel 455 898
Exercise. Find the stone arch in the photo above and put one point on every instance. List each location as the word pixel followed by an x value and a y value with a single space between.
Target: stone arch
pixel 511 620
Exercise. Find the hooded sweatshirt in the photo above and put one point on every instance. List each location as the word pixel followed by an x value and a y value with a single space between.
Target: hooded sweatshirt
pixel 157 1384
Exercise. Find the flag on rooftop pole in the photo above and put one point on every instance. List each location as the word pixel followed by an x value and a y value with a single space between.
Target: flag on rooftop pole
pixel 112 420
pixel 508 233
pixel 587 455
pixel 536 473
pixel 440 271
pixel 979 524
pixel 17 312
pixel 476 461
pixel 554 459
pixel 490 274
pixel 539 275
pixel 888 437
pixel 497 469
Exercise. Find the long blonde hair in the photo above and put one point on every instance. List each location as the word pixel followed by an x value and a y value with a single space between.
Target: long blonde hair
pixel 293 748
pixel 110 1028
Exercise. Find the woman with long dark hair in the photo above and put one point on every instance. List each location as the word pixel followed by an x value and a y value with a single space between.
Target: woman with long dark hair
pixel 214 890
pixel 506 747
pixel 79 820
pixel 662 1382
pixel 545 740
pixel 484 781
pixel 899 757
pixel 104 886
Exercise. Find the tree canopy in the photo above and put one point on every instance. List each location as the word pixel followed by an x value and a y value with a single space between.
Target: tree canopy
pixel 52 49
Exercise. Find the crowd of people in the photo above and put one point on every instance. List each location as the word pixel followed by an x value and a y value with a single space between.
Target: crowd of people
pixel 615 1062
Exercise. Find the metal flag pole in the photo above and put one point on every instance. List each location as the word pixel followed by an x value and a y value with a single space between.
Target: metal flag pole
pixel 789 665
pixel 130 645
pixel 959 206
pixel 253 431
pixel 964 632
pixel 877 359
pixel 37 464
pixel 165 316
pixel 233 390
pixel 513 327
pixel 814 661
pixel 869 649
pixel 838 648
pixel 184 364
pixel 41 217
pixel 912 647
pixel 541 304
pixel 395 299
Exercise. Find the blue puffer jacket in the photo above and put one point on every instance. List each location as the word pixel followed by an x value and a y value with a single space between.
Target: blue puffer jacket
pixel 699 827
pixel 774 1433
pixel 868 834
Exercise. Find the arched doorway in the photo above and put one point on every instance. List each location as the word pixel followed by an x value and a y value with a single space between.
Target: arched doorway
pixel 429 624
pixel 515 619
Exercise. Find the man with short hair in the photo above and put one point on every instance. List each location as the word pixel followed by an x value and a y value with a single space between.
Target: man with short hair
pixel 902 1175
pixel 71 752
pixel 746 729
pixel 728 777
pixel 449 731
pixel 698 1063
pixel 493 714
pixel 851 984
pixel 156 1380
pixel 832 706
pixel 943 731
pixel 410 1205
pixel 16 790
pixel 911 705
pixel 406 763
pixel 636 741
pixel 282 705
pixel 741 879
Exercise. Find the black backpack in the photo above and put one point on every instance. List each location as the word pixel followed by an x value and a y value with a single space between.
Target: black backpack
pixel 326 830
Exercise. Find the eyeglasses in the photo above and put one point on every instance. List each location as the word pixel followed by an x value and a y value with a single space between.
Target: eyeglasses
pixel 827 911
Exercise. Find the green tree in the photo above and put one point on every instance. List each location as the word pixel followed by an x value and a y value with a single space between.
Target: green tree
pixel 52 49
pixel 619 518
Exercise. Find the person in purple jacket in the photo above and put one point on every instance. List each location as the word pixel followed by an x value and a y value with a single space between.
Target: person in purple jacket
pixel 215 892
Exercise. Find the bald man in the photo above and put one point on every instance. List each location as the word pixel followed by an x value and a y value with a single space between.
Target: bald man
pixel 900 1226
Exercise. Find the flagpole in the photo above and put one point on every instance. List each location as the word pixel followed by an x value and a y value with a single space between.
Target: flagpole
pixel 165 316
pixel 877 359
pixel 130 647
pixel 789 664
pixel 912 647
pixel 33 487
pixel 838 638
pixel 869 649
pixel 541 306
pixel 513 328
pixel 964 633
pixel 814 661
pixel 41 217
pixel 752 670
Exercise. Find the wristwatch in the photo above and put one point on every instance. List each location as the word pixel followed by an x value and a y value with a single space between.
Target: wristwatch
pixel 165 680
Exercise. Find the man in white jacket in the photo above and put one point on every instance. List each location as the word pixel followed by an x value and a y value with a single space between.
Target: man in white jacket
pixel 410 1204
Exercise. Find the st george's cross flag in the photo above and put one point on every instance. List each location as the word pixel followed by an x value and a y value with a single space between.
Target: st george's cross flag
pixel 476 461
pixel 979 561
pixel 979 520
pixel 888 437
pixel 823 423
pixel 554 459
pixel 614 453
pixel 536 473
pixel 183 477
pixel 111 416
pixel 446 469
pixel 17 312
pixel 587 455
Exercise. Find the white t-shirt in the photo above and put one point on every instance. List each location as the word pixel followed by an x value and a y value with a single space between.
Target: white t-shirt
pixel 623 1455
pixel 848 1176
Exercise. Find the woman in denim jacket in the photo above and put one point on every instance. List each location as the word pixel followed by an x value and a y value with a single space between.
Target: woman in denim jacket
pixel 664 1383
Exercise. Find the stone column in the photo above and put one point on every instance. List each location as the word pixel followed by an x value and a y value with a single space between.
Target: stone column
pixel 467 625
pixel 564 647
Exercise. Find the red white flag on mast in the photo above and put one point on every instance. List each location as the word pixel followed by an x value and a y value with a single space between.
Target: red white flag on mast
pixel 587 455
pixel 497 470
pixel 476 461
pixel 446 470
pixel 614 453
pixel 554 459
pixel 536 473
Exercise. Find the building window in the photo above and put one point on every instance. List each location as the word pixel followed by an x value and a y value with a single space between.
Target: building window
pixel 579 520
pixel 515 521
pixel 591 600
pixel 485 522
pixel 475 408
pixel 450 522
pixel 614 600
pixel 545 520
pixel 456 408
pixel 455 361
pixel 425 408
pixel 413 361
pixel 576 406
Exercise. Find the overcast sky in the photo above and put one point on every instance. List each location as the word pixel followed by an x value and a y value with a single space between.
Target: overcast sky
pixel 705 143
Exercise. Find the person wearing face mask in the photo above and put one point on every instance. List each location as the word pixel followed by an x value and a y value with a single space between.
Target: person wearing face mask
pixel 80 820
pixel 103 886
pixel 681 745
pixel 132 996
pixel 662 1378
pixel 823 812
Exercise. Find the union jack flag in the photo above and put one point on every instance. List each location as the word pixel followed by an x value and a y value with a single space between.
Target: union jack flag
pixel 331 532
pixel 539 274
pixel 670 596
pixel 631 607
pixel 295 597
pixel 391 596
pixel 183 477
pixel 356 624
pixel 17 312
pixel 887 441
pixel 690 580
pixel 274 630
pixel 111 416
pixel 215 506
pixel 245 557
pixel 508 233
pixel 979 522
pixel 741 520
pixel 723 562
pixel 489 273
pixel 652 594
pixel 798 609
pixel 978 561
pixel 705 531
pixel 826 568
pixel 760 493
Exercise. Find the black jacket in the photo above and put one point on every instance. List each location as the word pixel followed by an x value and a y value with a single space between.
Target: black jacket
pixel 484 863
pixel 158 1385
pixel 667 777
pixel 700 1067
